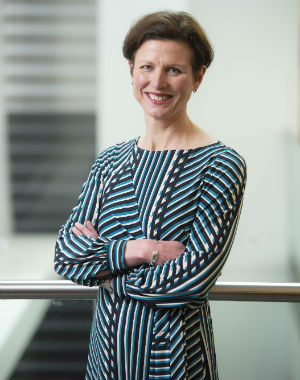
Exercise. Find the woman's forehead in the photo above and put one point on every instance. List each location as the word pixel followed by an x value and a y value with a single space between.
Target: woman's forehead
pixel 170 50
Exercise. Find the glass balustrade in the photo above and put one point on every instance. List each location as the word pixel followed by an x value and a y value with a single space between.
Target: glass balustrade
pixel 44 339
pixel 48 339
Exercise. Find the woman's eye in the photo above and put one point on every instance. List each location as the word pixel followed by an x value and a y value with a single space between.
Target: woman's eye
pixel 174 70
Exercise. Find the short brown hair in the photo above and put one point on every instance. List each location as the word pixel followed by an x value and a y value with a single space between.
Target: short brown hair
pixel 167 25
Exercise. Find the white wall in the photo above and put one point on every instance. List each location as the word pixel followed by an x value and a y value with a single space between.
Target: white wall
pixel 249 101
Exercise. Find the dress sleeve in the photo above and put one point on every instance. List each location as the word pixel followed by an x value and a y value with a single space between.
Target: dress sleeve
pixel 188 278
pixel 80 258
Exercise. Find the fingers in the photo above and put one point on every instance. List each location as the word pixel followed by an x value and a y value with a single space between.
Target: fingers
pixel 88 230
pixel 81 228
pixel 91 228
pixel 76 231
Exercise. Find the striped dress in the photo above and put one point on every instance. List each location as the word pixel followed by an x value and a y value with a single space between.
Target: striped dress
pixel 156 322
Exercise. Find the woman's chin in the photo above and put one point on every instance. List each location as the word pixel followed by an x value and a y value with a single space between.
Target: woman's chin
pixel 157 116
pixel 158 113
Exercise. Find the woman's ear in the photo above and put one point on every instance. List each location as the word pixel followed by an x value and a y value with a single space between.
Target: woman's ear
pixel 130 63
pixel 199 76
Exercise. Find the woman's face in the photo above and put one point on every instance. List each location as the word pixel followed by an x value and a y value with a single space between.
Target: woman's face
pixel 163 79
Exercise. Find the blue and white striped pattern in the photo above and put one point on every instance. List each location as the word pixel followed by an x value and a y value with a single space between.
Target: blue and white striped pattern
pixel 156 323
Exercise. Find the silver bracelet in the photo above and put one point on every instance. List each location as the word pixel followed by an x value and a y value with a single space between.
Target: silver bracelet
pixel 154 255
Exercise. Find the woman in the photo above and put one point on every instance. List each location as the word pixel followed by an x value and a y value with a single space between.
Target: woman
pixel 156 218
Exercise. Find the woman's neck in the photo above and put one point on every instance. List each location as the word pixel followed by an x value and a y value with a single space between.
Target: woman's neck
pixel 181 134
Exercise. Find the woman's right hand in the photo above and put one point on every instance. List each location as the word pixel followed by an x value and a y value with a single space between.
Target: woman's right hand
pixel 140 251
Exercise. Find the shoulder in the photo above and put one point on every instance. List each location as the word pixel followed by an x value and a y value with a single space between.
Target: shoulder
pixel 227 169
pixel 114 154
pixel 229 158
pixel 117 150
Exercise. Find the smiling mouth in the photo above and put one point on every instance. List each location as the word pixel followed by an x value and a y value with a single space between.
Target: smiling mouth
pixel 158 98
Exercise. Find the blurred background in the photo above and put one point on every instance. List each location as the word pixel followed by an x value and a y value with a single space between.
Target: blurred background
pixel 65 95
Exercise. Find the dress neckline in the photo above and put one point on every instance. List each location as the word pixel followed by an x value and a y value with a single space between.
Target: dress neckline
pixel 142 150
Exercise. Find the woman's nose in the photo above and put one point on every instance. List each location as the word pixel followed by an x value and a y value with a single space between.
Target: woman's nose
pixel 159 79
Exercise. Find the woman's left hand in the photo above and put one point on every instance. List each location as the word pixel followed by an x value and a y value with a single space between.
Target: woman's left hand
pixel 87 230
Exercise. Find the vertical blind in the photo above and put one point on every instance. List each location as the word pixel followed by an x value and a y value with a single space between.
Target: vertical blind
pixel 50 75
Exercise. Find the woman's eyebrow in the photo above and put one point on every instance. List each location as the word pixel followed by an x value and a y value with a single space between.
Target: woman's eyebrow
pixel 181 65
pixel 177 64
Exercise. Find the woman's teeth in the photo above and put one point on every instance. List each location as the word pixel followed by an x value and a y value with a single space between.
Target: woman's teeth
pixel 158 98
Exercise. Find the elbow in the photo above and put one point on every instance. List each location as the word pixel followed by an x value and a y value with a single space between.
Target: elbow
pixel 60 269
pixel 60 265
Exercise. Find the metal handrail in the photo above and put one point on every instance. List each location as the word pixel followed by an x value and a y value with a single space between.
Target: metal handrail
pixel 221 291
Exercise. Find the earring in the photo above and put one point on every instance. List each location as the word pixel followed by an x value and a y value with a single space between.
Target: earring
pixel 195 90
